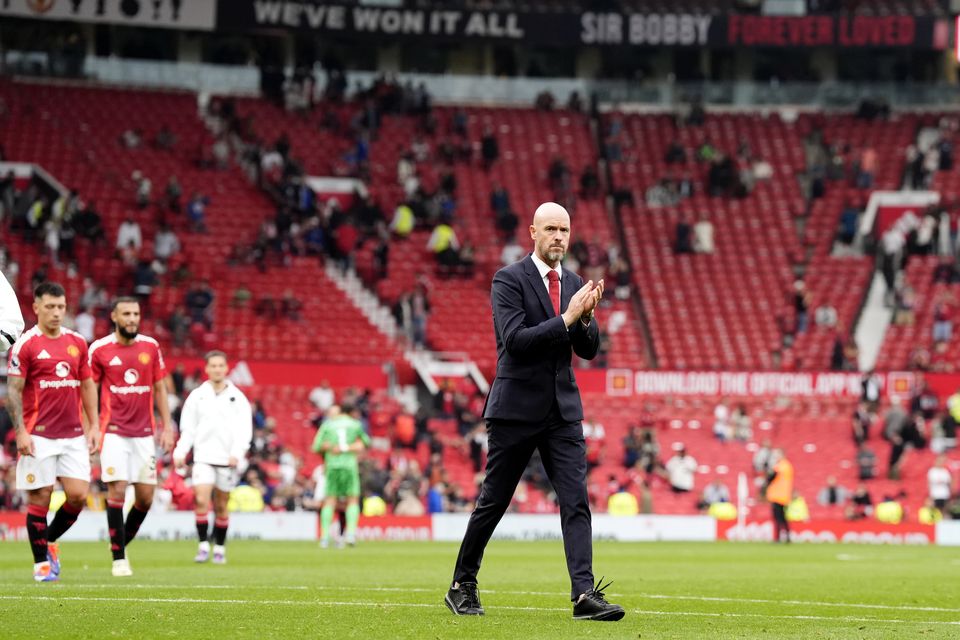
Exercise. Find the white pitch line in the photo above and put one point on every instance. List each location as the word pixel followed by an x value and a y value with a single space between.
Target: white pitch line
pixel 420 605
pixel 651 596
pixel 806 603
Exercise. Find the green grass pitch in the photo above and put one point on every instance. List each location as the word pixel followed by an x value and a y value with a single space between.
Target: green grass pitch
pixel 394 590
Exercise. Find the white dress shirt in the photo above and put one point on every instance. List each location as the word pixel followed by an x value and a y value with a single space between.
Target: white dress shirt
pixel 543 268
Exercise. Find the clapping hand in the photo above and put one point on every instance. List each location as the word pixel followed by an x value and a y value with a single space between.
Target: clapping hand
pixel 583 302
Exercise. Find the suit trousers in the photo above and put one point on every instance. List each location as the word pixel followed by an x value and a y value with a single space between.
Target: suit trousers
pixel 563 452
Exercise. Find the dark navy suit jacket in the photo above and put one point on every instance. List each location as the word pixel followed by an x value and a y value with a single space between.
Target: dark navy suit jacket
pixel 534 347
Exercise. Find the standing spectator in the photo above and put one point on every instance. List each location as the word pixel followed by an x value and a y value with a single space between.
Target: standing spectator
pixel 173 192
pixel 144 188
pixel 779 493
pixel 165 244
pixel 323 397
pixel 866 462
pixel 721 421
pixel 940 483
pixel 199 302
pixel 129 232
pixel 742 426
pixel 85 323
pixel 801 305
pixel 489 147
pixel 942 320
pixel 703 236
pixel 862 420
pixel 871 386
pixel 684 233
pixel 197 212
pixel 681 470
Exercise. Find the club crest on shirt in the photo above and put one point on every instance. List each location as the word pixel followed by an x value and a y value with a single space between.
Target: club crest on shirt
pixel 144 358
pixel 31 477
pixel 73 351
pixel 63 369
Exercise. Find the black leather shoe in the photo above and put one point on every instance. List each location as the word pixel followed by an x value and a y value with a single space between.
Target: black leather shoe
pixel 465 600
pixel 593 606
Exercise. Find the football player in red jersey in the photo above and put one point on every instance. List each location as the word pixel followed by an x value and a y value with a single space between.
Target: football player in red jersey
pixel 132 376
pixel 52 402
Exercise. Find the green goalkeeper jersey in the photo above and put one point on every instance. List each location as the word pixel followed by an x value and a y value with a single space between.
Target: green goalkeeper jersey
pixel 340 431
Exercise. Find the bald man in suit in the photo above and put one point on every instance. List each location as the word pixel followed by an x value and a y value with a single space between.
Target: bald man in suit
pixel 542 315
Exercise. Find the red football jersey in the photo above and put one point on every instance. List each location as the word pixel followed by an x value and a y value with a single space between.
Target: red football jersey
pixel 126 374
pixel 52 369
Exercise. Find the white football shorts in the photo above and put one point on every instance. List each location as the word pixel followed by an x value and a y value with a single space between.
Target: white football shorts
pixel 53 458
pixel 223 478
pixel 128 459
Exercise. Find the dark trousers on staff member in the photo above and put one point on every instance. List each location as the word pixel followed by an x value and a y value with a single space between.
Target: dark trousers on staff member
pixel 563 452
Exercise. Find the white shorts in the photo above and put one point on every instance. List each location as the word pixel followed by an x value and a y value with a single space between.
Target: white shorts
pixel 223 478
pixel 52 459
pixel 128 459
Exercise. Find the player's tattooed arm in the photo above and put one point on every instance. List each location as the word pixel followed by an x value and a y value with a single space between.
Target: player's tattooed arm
pixel 15 385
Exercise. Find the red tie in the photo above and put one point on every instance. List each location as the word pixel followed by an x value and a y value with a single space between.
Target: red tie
pixel 554 279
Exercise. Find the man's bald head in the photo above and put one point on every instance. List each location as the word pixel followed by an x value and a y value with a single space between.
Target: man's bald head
pixel 550 232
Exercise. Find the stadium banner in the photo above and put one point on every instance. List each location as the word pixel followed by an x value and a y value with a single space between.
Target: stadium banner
pixel 395 528
pixel 590 28
pixel 948 533
pixel 450 527
pixel 196 15
pixel 91 526
pixel 246 373
pixel 859 531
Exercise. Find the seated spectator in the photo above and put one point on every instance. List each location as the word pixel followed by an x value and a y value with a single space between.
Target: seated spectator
pixel 833 495
pixel 290 307
pixel 861 504
pixel 129 233
pixel 575 102
pixel 489 147
pixel 675 154
pixel 131 138
pixel 165 139
pixel 797 510
pixel 713 493
pixel 589 182
pixel 825 315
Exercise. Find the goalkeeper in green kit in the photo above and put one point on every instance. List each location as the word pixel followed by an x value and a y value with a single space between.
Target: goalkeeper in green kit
pixel 340 439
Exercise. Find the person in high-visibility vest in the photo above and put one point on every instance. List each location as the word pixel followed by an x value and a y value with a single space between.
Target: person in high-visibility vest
pixel 929 514
pixel 623 503
pixel 779 492
pixel 889 511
